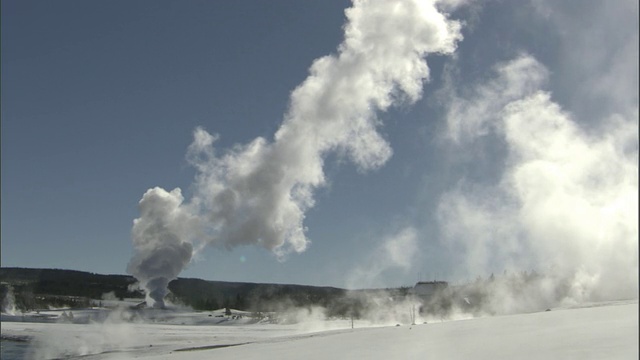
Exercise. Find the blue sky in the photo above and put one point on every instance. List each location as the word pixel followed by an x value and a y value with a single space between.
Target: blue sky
pixel 100 101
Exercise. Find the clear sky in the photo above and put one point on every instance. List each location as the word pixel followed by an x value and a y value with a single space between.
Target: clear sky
pixel 100 101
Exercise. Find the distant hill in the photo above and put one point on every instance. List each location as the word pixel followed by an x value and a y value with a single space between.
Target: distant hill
pixel 40 288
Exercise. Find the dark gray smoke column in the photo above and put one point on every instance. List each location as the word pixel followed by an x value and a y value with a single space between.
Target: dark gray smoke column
pixel 258 193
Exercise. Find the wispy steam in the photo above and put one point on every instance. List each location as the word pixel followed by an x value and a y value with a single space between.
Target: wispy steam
pixel 258 193
pixel 599 52
pixel 474 115
pixel 567 201
pixel 397 252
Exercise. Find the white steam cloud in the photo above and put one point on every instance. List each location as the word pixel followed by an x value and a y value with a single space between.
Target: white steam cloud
pixel 567 201
pixel 258 193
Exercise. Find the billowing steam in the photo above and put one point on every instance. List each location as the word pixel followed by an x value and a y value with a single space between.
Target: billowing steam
pixel 159 241
pixel 567 201
pixel 258 193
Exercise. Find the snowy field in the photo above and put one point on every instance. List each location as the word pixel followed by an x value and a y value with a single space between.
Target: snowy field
pixel 593 331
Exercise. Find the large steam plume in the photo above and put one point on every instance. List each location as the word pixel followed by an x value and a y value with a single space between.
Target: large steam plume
pixel 258 193
pixel 567 200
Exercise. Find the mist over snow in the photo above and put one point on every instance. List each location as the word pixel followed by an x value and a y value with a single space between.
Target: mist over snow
pixel 257 193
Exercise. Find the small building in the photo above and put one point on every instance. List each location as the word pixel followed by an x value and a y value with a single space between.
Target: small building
pixel 427 289
pixel 139 306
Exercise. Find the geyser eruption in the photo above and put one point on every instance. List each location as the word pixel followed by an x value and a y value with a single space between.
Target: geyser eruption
pixel 161 253
pixel 258 193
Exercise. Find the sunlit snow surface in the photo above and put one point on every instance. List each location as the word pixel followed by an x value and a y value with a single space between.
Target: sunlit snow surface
pixel 592 331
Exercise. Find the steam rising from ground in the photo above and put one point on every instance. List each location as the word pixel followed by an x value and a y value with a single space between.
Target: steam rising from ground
pixel 258 193
pixel 112 334
pixel 8 304
pixel 567 201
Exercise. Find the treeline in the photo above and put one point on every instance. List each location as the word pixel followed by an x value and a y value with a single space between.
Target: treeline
pixel 40 288
pixel 508 293
pixel 29 289
pixel 211 295
pixel 334 302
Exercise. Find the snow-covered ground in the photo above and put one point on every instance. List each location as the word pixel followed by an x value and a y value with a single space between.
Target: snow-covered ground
pixel 592 331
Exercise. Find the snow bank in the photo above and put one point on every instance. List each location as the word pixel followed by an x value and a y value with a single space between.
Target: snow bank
pixel 605 332
pixel 596 331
